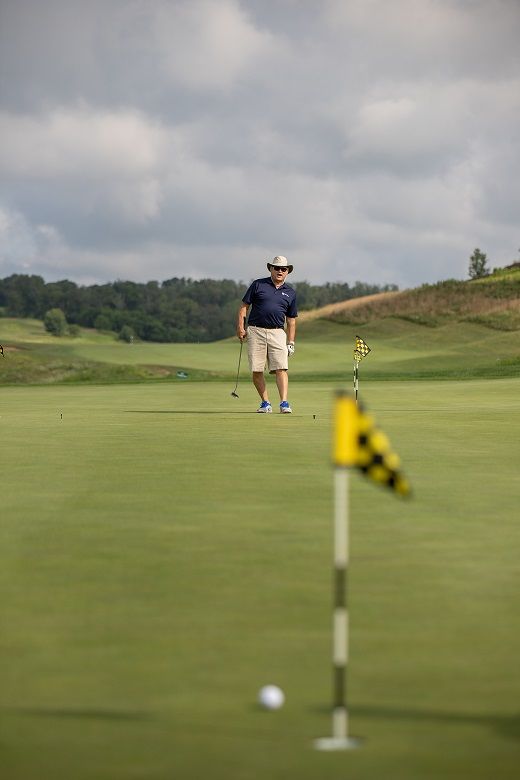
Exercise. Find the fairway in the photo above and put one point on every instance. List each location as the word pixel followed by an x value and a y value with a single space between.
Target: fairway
pixel 401 350
pixel 324 350
pixel 165 552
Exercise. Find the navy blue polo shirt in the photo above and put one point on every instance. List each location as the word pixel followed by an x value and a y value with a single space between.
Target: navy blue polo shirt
pixel 270 305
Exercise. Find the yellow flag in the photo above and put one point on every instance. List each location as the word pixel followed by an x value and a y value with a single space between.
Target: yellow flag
pixel 358 443
pixel 361 349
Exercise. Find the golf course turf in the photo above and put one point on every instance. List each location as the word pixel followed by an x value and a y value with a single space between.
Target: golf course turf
pixel 165 552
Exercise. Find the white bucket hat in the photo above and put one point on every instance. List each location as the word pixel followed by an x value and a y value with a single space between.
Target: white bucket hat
pixel 280 260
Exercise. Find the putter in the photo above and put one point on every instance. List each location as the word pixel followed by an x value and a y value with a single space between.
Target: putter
pixel 234 392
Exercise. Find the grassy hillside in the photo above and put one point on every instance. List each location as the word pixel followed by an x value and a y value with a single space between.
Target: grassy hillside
pixel 403 350
pixel 493 301
pixel 33 356
pixel 450 330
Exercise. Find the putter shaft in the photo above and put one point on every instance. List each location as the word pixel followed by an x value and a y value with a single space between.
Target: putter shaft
pixel 234 392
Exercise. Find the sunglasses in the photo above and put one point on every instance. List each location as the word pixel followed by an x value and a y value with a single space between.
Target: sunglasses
pixel 280 268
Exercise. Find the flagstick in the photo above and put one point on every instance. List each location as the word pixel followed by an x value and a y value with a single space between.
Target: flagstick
pixel 355 439
pixel 340 726
pixel 356 378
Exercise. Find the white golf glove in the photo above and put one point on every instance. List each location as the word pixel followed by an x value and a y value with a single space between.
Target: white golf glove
pixel 290 348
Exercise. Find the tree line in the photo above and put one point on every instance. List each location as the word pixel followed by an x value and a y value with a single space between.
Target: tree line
pixel 175 310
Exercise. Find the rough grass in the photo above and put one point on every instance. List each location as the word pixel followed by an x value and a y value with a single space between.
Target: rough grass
pixel 493 301
pixel 48 366
pixel 34 356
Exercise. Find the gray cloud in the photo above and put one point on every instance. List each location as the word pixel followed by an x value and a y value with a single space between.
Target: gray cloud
pixel 363 139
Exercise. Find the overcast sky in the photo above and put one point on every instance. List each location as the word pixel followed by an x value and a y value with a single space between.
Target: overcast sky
pixel 371 140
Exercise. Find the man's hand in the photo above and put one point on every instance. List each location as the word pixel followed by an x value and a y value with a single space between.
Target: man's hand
pixel 290 348
pixel 241 329
pixel 241 323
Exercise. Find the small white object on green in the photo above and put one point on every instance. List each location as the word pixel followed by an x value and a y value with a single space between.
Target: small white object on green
pixel 271 697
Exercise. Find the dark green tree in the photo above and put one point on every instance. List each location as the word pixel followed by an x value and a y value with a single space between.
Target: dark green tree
pixel 126 334
pixel 176 310
pixel 103 321
pixel 477 264
pixel 55 322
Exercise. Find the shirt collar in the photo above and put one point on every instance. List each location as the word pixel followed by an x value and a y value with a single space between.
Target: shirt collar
pixel 275 287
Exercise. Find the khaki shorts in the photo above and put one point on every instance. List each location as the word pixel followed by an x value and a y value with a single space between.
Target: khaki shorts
pixel 267 344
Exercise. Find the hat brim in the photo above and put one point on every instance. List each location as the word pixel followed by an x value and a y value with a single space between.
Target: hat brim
pixel 272 265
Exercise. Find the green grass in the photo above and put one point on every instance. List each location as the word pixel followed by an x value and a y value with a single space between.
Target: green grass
pixel 493 301
pixel 33 356
pixel 401 350
pixel 165 552
pixel 405 350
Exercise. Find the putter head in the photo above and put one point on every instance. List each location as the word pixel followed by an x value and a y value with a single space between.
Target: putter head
pixel 235 395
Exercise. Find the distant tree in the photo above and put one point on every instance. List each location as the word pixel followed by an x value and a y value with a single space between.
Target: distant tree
pixel 126 334
pixel 176 310
pixel 103 322
pixel 477 264
pixel 24 296
pixel 55 322
pixel 62 295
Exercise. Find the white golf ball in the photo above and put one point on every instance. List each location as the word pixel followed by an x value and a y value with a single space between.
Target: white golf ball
pixel 271 697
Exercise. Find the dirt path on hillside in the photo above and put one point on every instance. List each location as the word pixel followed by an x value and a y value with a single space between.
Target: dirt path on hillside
pixel 352 303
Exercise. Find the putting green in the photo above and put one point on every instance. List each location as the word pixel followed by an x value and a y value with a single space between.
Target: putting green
pixel 165 552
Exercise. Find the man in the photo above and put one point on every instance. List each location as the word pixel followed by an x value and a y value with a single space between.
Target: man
pixel 271 304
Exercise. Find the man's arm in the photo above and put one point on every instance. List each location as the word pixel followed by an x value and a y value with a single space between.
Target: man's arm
pixel 241 318
pixel 291 332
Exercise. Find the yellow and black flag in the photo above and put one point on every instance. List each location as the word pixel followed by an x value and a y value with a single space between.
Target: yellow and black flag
pixel 358 443
pixel 361 349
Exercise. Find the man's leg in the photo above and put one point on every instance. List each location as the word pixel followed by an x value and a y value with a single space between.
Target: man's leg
pixel 259 383
pixel 282 383
pixel 257 354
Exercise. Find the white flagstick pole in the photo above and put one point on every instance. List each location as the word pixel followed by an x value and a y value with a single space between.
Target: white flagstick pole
pixel 340 650
pixel 340 739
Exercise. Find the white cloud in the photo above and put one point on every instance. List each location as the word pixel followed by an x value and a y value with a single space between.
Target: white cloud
pixel 208 45
pixel 111 161
pixel 429 39
pixel 79 140
pixel 406 134
pixel 17 240
pixel 363 139
pixel 23 245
